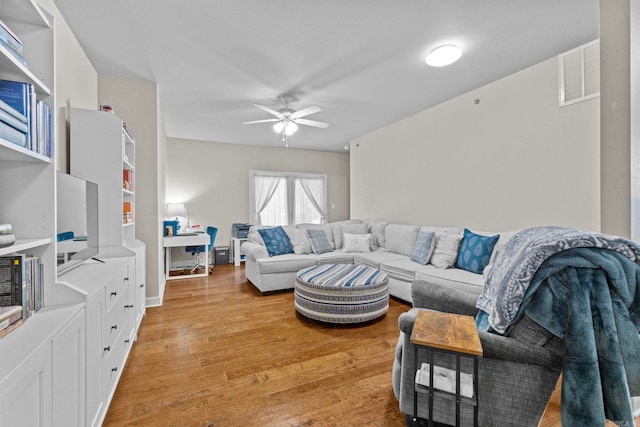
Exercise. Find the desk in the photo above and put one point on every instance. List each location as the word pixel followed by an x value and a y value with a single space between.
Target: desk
pixel 236 255
pixel 199 239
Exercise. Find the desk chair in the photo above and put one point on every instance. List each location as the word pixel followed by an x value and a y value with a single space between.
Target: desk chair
pixel 198 250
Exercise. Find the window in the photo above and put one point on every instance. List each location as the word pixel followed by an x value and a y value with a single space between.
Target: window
pixel 284 198
pixel 580 74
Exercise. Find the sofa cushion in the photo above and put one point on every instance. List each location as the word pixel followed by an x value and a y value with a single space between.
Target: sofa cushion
pixel 375 258
pixel 446 250
pixel 400 238
pixel 284 263
pixel 299 240
pixel 423 249
pixel 276 241
pixel 319 242
pixel 475 251
pixel 454 278
pixel 403 269
pixel 356 242
pixel 376 228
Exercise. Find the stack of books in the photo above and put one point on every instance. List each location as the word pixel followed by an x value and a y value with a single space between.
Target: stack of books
pixel 10 318
pixel 7 238
pixel 12 43
pixel 24 120
pixel 127 212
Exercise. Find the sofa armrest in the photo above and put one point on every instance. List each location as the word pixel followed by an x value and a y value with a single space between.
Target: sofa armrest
pixel 442 298
pixel 254 251
pixel 527 342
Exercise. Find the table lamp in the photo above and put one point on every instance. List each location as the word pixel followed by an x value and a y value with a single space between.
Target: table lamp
pixel 180 213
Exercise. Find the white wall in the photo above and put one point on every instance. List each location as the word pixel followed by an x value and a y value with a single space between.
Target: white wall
pixel 512 159
pixel 76 82
pixel 212 179
pixel 136 102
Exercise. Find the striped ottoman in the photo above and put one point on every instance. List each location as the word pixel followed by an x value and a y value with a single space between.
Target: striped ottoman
pixel 341 293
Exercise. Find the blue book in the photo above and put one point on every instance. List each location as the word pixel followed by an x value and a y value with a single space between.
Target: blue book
pixel 21 97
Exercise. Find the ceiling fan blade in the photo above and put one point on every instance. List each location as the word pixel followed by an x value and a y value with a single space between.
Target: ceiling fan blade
pixel 261 121
pixel 269 110
pixel 305 112
pixel 312 123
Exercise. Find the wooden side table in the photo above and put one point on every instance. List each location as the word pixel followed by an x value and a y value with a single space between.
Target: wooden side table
pixel 450 333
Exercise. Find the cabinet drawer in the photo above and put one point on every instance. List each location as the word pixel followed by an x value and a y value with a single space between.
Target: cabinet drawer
pixel 116 287
pixel 113 367
pixel 116 319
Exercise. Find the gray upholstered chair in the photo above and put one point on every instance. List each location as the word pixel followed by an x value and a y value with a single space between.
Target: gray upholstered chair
pixel 517 373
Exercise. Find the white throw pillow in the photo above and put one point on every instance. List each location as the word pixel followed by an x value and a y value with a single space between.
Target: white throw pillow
pixel 446 250
pixel 356 242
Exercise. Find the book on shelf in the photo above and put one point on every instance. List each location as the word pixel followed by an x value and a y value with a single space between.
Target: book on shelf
pixel 7 118
pixel 10 328
pixel 10 38
pixel 21 283
pixel 21 97
pixel 127 212
pixel 13 135
pixel 15 113
pixel 127 179
pixel 9 315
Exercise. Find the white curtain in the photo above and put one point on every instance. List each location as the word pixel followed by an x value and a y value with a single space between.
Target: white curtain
pixel 310 200
pixel 265 188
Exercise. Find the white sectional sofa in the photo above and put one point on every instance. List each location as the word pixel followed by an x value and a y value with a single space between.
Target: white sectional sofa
pixel 391 249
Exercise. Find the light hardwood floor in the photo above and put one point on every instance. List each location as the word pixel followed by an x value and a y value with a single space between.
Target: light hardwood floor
pixel 217 354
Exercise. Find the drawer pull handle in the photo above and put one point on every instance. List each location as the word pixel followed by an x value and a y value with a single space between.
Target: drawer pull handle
pixel 107 348
pixel 128 306
pixel 114 293
pixel 126 279
pixel 114 369
pixel 126 341
pixel 142 285
pixel 114 327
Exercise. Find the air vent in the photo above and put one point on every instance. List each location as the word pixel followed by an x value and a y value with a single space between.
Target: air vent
pixel 580 74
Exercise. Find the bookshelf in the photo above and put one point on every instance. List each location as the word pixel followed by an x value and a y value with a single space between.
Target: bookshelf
pixel 102 149
pixel 45 356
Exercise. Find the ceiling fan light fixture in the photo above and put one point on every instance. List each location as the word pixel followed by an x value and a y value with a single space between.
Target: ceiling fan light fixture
pixel 443 55
pixel 289 127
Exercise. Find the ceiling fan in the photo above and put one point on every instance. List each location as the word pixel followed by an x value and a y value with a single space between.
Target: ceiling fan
pixel 287 119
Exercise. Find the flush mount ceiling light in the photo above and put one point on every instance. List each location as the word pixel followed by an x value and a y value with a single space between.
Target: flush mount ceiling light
pixel 444 55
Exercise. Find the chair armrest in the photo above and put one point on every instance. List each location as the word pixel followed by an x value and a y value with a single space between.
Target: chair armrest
pixel 442 298
pixel 254 251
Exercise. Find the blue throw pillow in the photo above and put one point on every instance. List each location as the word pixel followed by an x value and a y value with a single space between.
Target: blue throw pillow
pixel 319 242
pixel 276 241
pixel 475 251
pixel 423 249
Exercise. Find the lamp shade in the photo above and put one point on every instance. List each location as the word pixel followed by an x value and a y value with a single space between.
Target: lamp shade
pixel 176 210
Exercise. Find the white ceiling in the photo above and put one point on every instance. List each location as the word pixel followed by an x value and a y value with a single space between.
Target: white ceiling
pixel 361 61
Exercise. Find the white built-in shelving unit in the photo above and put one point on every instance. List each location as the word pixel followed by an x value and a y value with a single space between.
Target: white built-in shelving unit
pixel 45 356
pixel 62 365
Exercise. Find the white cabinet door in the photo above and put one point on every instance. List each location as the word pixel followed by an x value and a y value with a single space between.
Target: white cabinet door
pixel 25 395
pixel 68 358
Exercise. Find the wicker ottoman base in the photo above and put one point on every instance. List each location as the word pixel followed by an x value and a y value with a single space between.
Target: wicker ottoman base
pixel 341 293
